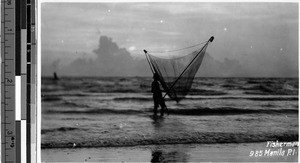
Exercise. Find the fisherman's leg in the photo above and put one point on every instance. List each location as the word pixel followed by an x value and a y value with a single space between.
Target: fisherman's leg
pixel 167 110
pixel 162 110
pixel 155 108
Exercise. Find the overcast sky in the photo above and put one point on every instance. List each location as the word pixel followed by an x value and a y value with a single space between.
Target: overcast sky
pixel 261 38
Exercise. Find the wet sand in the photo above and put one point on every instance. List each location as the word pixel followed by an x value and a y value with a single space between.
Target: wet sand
pixel 232 152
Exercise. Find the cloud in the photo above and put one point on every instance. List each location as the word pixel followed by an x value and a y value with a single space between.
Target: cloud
pixel 111 60
pixel 131 48
pixel 191 23
pixel 282 67
pixel 255 34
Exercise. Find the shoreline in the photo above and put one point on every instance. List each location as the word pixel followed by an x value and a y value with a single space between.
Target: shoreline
pixel 163 138
pixel 79 146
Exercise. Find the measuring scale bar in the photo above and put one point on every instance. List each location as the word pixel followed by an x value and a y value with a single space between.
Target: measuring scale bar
pixel 17 47
pixel 8 110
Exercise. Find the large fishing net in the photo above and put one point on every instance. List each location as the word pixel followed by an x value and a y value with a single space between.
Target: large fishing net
pixel 177 73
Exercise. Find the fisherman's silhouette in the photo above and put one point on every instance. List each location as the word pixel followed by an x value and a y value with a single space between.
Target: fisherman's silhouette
pixel 157 96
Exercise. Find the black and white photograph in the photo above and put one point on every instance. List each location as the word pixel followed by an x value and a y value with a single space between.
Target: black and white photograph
pixel 169 81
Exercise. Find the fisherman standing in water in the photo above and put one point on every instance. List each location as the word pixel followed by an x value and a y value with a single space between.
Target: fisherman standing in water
pixel 157 96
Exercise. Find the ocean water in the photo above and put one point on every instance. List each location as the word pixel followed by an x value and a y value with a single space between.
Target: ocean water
pixel 115 112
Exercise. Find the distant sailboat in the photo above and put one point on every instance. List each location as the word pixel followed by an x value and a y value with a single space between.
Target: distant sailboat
pixel 55 76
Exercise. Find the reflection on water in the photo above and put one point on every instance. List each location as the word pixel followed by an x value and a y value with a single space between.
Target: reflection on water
pixel 158 123
pixel 162 127
pixel 174 155
pixel 168 124
pixel 157 156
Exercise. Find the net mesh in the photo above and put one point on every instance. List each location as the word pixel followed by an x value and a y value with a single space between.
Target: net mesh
pixel 177 74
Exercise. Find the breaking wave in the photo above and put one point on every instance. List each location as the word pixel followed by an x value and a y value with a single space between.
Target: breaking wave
pixel 61 129
pixel 274 98
pixel 195 112
pixel 74 104
pixel 187 138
